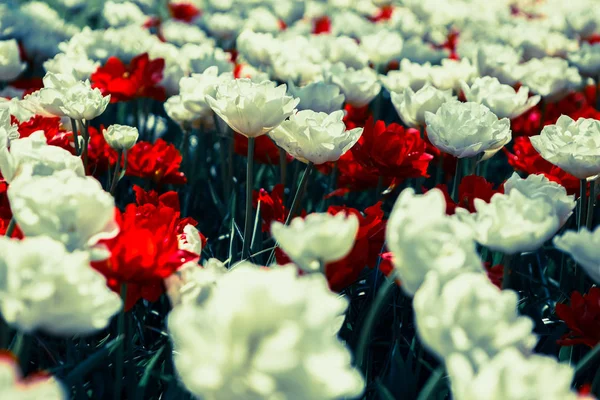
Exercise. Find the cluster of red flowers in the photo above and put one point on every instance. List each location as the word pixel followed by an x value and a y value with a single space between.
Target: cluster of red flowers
pixel 146 250
pixel 159 161
pixel 582 317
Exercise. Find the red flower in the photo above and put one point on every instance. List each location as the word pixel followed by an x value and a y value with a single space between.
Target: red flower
pixel 392 151
pixel 351 175
pixel 265 151
pixel 140 78
pixel 526 159
pixel 384 13
pixel 186 12
pixel 100 155
pixel 271 206
pixel 159 161
pixel 321 25
pixel 495 273
pixel 471 187
pixel 356 117
pixel 29 85
pixel 54 133
pixel 146 250
pixel 582 317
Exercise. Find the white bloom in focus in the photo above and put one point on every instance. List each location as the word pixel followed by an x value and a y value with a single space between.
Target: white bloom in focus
pixel 63 95
pixel 469 315
pixel 77 65
pixel 587 59
pixel 315 137
pixel 48 288
pixel 501 99
pixel 317 239
pixel 317 96
pixel 10 60
pixel 537 185
pixel 12 385
pixel 451 73
pixel 121 137
pixel 176 110
pixel 423 238
pixel 571 145
pixel 584 247
pixel 358 86
pixel 511 375
pixel 512 223
pixel 119 14
pixel 228 349
pixel 382 47
pixel 194 89
pixel 33 151
pixel 499 61
pixel 411 106
pixel 467 129
pixel 411 75
pixel 550 77
pixel 66 207
pixel 252 109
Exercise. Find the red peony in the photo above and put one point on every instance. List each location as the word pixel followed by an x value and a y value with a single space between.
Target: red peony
pixel 351 175
pixel 265 151
pixel 159 162
pixel 186 12
pixel 138 79
pixel 392 151
pixel 356 117
pixel 101 156
pixel 383 14
pixel 582 317
pixel 471 187
pixel 53 131
pixel 495 273
pixel 321 25
pixel 146 250
pixel 271 206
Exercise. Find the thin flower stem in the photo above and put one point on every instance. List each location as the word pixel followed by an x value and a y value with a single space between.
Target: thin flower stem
pixel 249 186
pixel 432 384
pixel 381 299
pixel 590 206
pixel 10 228
pixel 120 356
pixel 582 203
pixel 115 178
pixel 456 180
pixel 75 136
pixel 507 272
pixel 587 361
pixel 86 140
pixel 282 169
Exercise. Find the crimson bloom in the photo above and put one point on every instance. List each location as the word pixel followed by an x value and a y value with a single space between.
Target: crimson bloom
pixel 124 82
pixel 392 150
pixel 184 11
pixel 471 187
pixel 322 25
pixel 265 151
pixel 271 206
pixel 356 117
pixel 582 317
pixel 146 250
pixel 158 161
pixel 101 156
pixel 383 14
pixel 55 134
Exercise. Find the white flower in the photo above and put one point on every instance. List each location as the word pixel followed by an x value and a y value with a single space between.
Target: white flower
pixel 422 238
pixel 176 65
pixel 180 33
pixel 499 61
pixel 121 137
pixel 511 375
pixel 224 26
pixel 228 348
pixel 451 73
pixel 63 95
pixel 288 65
pixel 550 77
pixel 261 19
pixel 193 90
pixel 358 86
pixel 411 106
pixel 584 247
pixel 467 129
pixel 416 50
pixel 176 110
pixel 315 137
pixel 192 283
pixel 12 385
pixel 411 75
pixel 470 316
pixel 342 49
pixel 190 240
pixel 257 48
pixel 201 57
pixel 251 109
pixel 582 21
pixel 8 131
pixel 10 60
pixel 118 14
pixel 77 65
pixel 572 146
pixel 317 96
pixel 34 152
pixel 512 223
pixel 66 207
pixel 537 185
pixel 317 239
pixel 45 287
pixel 501 99
pixel 382 46
pixel 587 59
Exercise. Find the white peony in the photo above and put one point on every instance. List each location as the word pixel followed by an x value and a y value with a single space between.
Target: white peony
pixel 470 316
pixel 502 100
pixel 587 59
pixel 550 77
pixel 317 96
pixel 190 240
pixel 411 106
pixel 499 61
pixel 229 347
pixel 315 137
pixel 66 207
pixel 46 287
pixel 467 129
pixel 317 239
pixel 571 145
pixel 119 14
pixel 75 64
pixel 584 247
pixel 423 238
pixel 358 86
pixel 451 73
pixel 176 110
pixel 203 56
pixel 411 75
pixel 10 60
pixel 382 47
pixel 192 283
pixel 252 109
pixel 193 90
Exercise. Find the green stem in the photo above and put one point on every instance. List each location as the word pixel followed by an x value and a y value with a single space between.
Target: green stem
pixel 115 179
pixel 432 384
pixel 249 186
pixel 587 361
pixel 11 227
pixel 590 206
pixel 75 136
pixel 383 296
pixel 120 356
pixel 506 274
pixel 282 168
pixel 86 140
pixel 582 203
pixel 456 181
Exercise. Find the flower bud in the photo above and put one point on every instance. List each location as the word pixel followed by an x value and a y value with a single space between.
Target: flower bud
pixel 121 137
